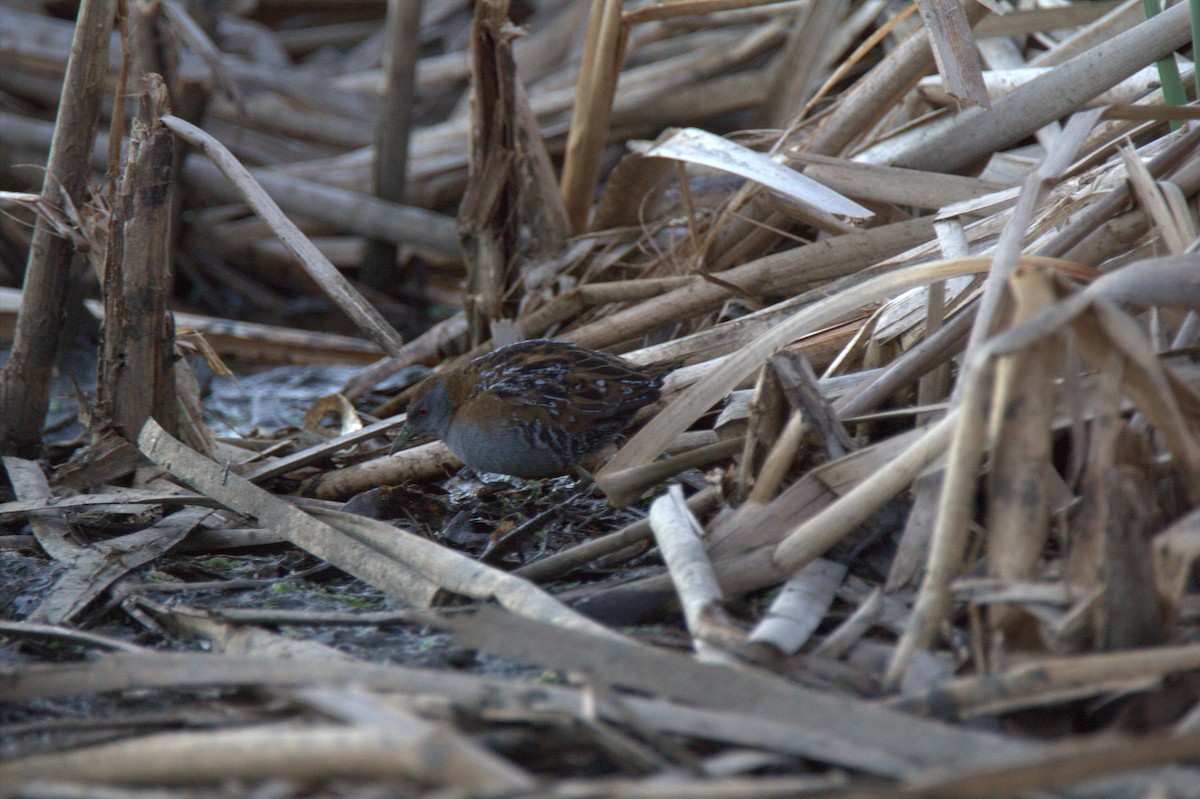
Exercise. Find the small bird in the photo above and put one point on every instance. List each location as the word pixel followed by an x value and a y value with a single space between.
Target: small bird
pixel 533 409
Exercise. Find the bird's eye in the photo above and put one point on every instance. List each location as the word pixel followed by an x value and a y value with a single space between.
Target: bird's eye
pixel 422 411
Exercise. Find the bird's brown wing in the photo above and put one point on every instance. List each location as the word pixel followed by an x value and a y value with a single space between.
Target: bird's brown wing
pixel 566 380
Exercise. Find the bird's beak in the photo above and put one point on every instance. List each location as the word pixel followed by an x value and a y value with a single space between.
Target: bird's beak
pixel 406 434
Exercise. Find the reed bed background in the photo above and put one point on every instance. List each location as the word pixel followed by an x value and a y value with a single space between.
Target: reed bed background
pixel 916 516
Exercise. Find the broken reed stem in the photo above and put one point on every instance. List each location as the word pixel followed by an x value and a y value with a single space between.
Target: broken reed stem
pixel 25 379
pixel 424 347
pixel 694 401
pixel 622 487
pixel 952 528
pixel 393 129
pixel 1022 418
pixel 678 535
pixel 1104 209
pixel 860 108
pixel 687 8
pixel 967 696
pixel 139 335
pixel 815 536
pixel 603 50
pixel 781 273
pixel 489 214
pixel 1151 391
pixel 327 276
pixel 417 463
pixel 779 460
pixel 919 359
pixel 977 133
pixel 1147 383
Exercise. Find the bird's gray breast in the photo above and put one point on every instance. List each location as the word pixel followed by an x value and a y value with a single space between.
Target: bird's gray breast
pixel 530 450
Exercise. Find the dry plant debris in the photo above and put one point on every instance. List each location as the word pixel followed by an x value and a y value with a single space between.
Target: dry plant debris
pixel 919 515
